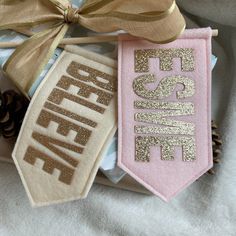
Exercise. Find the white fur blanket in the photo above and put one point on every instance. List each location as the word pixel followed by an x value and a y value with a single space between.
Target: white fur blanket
pixel 206 208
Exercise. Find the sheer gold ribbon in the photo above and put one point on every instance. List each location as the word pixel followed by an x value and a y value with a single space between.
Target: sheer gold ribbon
pixel 156 20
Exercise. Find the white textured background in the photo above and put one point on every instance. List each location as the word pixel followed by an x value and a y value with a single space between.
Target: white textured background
pixel 206 208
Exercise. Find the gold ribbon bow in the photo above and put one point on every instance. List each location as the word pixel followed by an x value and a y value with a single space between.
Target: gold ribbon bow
pixel 155 20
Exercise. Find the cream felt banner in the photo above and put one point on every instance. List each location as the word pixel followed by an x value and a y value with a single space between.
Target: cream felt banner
pixel 69 124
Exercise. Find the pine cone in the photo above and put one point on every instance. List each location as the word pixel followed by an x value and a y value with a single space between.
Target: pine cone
pixel 13 107
pixel 216 146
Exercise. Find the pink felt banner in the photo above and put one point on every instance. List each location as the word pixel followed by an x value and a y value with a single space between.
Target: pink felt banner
pixel 172 112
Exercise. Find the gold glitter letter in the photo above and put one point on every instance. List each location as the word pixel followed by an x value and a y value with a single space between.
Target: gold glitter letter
pixel 85 90
pixel 52 143
pixel 167 144
pixel 166 56
pixel 64 126
pixel 89 74
pixel 49 164
pixel 170 109
pixel 165 87
pixel 57 95
pixel 70 114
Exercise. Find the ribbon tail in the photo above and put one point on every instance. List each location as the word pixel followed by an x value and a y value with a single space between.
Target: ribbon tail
pixel 29 59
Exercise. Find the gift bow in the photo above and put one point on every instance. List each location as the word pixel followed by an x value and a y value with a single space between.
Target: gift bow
pixel 155 20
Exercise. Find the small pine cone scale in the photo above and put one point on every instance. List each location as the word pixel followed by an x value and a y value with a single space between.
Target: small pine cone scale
pixel 13 107
pixel 216 146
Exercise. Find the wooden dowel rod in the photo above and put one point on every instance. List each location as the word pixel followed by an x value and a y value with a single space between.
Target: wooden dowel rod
pixel 9 44
pixel 94 39
pixel 81 40
pixel 215 32
pixel 69 41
